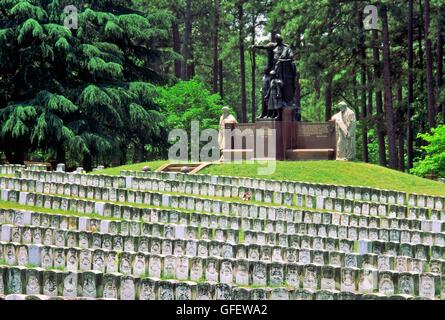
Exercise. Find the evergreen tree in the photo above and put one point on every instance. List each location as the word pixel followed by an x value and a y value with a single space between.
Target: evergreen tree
pixel 87 92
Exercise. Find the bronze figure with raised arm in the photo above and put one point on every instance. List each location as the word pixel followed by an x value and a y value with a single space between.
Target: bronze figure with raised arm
pixel 280 90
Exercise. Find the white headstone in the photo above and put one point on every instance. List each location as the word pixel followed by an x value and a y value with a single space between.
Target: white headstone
pixel 320 203
pixel 364 246
pixel 436 226
pixel 4 195
pixel 26 220
pixel 128 182
pixel 99 208
pixel 34 254
pixel 6 233
pixel 60 167
pixel 180 232
pixel 104 226
pixel 39 186
pixel 22 198
pixel 165 200
pixel 83 223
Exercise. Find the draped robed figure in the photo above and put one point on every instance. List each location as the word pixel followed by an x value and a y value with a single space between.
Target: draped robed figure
pixel 345 132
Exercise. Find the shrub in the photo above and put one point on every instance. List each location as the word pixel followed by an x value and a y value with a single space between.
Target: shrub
pixel 189 101
pixel 434 161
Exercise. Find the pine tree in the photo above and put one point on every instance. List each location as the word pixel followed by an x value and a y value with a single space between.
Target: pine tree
pixel 87 91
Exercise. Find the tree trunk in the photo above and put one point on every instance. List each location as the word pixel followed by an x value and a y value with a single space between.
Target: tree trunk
pixel 421 81
pixel 242 61
pixel 420 47
pixel 400 129
pixel 139 153
pixel 363 113
pixel 87 162
pixel 379 100
pixel 19 156
pixel 298 96
pixel 15 156
pixel 429 67
pixel 328 98
pixel 215 48
pixel 186 51
pixel 410 130
pixel 389 112
pixel 253 72
pixel 60 154
pixel 439 59
pixel 370 98
pixel 317 86
pixel 355 91
pixel 370 93
pixel 192 65
pixel 221 79
pixel 123 154
pixel 176 47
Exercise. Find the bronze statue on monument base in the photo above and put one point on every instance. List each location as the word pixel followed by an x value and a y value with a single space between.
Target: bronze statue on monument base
pixel 278 89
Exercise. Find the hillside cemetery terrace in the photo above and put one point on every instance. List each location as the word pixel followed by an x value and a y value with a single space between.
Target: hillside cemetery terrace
pixel 173 236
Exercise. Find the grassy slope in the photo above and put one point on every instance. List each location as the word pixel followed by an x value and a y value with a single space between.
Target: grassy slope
pixel 328 172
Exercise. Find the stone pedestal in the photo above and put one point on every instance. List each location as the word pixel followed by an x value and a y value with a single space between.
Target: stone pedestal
pixel 292 140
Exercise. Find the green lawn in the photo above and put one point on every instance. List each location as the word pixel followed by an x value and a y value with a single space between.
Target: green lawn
pixel 336 172
pixel 328 172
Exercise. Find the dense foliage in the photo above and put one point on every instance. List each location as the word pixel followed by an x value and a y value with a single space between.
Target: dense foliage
pixel 85 93
pixel 434 161
pixel 189 101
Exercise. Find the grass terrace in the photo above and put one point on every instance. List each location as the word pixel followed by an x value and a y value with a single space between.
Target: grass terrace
pixel 325 172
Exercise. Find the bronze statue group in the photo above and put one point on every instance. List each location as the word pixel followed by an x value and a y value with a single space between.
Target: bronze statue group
pixel 278 89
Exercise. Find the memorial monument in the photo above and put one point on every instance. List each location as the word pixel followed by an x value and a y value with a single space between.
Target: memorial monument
pixel 278 80
pixel 278 132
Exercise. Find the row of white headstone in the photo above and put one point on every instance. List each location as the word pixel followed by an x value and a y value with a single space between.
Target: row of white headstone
pixel 210 247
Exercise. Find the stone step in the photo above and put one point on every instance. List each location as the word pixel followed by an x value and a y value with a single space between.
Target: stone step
pixel 310 154
pixel 190 168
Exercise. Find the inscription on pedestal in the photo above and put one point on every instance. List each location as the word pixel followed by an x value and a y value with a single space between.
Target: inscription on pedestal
pixel 316 130
pixel 314 136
